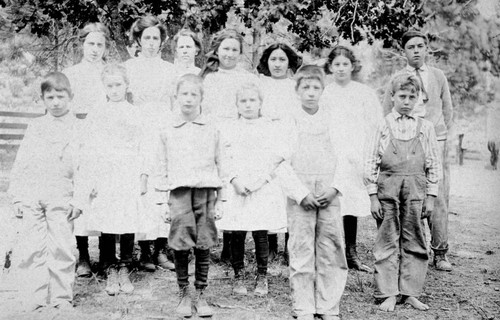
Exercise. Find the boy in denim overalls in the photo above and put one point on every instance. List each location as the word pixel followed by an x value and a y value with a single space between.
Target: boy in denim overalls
pixel 402 175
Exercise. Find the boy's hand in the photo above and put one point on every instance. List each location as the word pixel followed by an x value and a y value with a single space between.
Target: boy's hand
pixel 74 213
pixel 428 206
pixel 18 210
pixel 309 202
pixel 165 212
pixel 327 197
pixel 376 207
pixel 240 188
pixel 219 211
pixel 144 184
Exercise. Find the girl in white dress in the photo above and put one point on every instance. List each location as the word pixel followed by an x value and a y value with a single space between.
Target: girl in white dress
pixel 88 90
pixel 276 66
pixel 151 84
pixel 186 46
pixel 109 176
pixel 355 110
pixel 222 75
pixel 222 78
pixel 255 203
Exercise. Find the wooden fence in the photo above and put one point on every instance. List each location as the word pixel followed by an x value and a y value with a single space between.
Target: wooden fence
pixel 13 124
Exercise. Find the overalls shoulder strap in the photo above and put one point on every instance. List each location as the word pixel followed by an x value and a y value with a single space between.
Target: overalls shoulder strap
pixel 416 138
pixel 391 137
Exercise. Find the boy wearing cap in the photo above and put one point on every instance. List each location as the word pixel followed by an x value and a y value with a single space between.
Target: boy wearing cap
pixel 433 104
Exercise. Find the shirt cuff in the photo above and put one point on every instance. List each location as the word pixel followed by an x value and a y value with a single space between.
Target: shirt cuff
pixel 300 193
pixel 432 189
pixel 372 188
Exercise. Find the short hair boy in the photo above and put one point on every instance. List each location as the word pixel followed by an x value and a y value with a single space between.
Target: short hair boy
pixel 42 187
pixel 190 161
pixel 434 104
pixel 318 267
pixel 401 175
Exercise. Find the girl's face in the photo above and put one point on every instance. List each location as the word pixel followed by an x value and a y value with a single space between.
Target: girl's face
pixel 185 50
pixel 94 47
pixel 342 69
pixel 278 64
pixel 248 103
pixel 150 42
pixel 189 98
pixel 229 53
pixel 115 87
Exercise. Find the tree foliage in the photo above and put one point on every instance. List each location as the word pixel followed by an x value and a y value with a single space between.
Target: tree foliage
pixel 353 19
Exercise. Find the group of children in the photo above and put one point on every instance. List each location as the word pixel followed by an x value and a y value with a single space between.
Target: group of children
pixel 225 159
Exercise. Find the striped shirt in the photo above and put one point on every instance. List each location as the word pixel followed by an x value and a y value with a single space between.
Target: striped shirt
pixel 403 128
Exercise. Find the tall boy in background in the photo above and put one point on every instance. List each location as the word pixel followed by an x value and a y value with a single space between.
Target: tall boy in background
pixel 434 104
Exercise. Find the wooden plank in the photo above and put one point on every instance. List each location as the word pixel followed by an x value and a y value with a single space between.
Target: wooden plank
pixel 6 146
pixel 9 136
pixel 8 125
pixel 20 114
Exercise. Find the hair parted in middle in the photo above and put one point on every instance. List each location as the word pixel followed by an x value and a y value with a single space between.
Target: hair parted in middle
pixel 294 60
pixel 191 78
pixel 187 33
pixel 118 69
pixel 342 51
pixel 142 24
pixel 309 72
pixel 212 63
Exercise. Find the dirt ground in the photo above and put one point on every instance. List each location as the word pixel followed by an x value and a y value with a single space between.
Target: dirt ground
pixel 470 291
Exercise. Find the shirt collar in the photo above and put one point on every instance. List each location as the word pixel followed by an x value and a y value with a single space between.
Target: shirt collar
pixel 178 121
pixel 398 115
pixel 423 68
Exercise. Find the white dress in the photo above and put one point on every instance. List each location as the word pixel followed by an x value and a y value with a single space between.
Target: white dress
pixel 356 111
pixel 280 98
pixel 87 86
pixel 252 153
pixel 151 81
pixel 219 97
pixel 110 166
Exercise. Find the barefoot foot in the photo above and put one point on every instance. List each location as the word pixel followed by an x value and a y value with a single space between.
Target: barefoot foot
pixel 415 303
pixel 388 304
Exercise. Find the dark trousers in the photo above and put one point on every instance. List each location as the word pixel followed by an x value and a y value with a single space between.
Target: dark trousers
pixel 181 261
pixel 108 249
pixel 238 250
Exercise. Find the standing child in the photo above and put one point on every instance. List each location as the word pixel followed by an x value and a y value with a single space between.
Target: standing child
pixel 191 168
pixel 256 202
pixel 42 186
pixel 356 111
pixel 151 81
pixel 402 175
pixel 110 174
pixel 222 78
pixel 318 267
pixel 88 90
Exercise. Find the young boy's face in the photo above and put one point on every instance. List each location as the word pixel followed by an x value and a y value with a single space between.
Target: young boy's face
pixel 248 103
pixel 404 100
pixel 57 102
pixel 309 91
pixel 416 51
pixel 189 98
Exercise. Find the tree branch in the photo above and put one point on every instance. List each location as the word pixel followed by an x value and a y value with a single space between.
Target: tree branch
pixel 354 19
